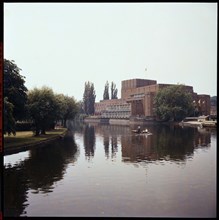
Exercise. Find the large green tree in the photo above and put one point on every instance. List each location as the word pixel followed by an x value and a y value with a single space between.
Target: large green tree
pixel 9 121
pixel 173 103
pixel 14 89
pixel 89 97
pixel 61 107
pixel 114 91
pixel 71 109
pixel 43 108
pixel 106 91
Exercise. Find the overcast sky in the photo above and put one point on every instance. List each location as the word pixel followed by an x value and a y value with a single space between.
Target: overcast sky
pixel 63 45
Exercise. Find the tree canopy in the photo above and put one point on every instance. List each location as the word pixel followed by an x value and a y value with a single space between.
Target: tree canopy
pixel 42 107
pixel 106 91
pixel 14 89
pixel 173 103
pixel 71 109
pixel 46 108
pixel 9 121
pixel 114 91
pixel 89 97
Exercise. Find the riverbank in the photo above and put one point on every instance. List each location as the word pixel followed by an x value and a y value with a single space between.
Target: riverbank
pixel 25 140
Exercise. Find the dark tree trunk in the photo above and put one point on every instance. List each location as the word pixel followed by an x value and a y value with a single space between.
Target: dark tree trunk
pixel 43 131
pixel 65 123
pixel 37 130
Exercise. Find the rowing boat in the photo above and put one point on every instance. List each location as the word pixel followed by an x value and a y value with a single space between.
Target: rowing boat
pixel 142 132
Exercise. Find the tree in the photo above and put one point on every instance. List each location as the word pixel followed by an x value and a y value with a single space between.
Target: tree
pixel 89 97
pixel 80 107
pixel 43 108
pixel 14 89
pixel 71 110
pixel 114 91
pixel 92 97
pixel 106 91
pixel 9 121
pixel 173 103
pixel 61 107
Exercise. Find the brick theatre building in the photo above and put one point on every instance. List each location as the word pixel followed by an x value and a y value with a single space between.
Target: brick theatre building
pixel 137 97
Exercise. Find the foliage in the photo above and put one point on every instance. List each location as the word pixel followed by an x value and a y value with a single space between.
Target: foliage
pixel 14 88
pixel 61 107
pixel 71 109
pixel 46 108
pixel 43 108
pixel 106 91
pixel 173 103
pixel 89 97
pixel 9 121
pixel 80 107
pixel 114 91
pixel 24 126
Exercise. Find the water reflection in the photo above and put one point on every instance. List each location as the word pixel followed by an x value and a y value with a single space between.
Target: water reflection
pixel 89 141
pixel 166 143
pixel 38 173
pixel 106 143
pixel 171 143
pixel 113 186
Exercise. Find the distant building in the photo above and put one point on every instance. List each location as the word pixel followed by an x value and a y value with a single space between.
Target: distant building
pixel 137 97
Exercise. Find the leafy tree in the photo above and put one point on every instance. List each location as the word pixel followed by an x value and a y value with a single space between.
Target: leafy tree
pixel 9 121
pixel 173 103
pixel 61 107
pixel 89 97
pixel 43 107
pixel 114 91
pixel 71 110
pixel 92 97
pixel 106 91
pixel 14 89
pixel 80 107
pixel 86 97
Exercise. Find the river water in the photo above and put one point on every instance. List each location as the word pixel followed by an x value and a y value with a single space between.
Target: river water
pixel 106 170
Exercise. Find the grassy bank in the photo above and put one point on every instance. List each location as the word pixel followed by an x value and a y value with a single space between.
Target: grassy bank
pixel 27 138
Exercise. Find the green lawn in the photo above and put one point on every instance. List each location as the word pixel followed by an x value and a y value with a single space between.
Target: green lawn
pixel 27 137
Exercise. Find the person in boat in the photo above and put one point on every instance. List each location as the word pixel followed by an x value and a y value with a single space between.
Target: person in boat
pixel 139 130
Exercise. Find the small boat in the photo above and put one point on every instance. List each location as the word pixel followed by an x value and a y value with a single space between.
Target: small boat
pixel 142 132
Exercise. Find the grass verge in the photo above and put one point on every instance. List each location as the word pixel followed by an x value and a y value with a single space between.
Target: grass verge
pixel 27 137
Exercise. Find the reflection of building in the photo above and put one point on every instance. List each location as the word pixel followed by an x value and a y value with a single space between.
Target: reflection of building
pixel 137 97
pixel 175 144
pixel 138 148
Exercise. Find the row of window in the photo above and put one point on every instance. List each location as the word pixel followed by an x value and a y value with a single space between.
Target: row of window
pixel 122 114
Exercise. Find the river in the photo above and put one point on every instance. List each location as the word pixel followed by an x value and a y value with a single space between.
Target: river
pixel 107 171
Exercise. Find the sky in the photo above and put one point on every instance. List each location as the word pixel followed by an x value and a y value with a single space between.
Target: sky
pixel 64 45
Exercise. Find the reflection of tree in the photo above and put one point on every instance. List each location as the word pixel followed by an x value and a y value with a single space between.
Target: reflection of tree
pixel 166 143
pixel 106 145
pixel 114 145
pixel 40 171
pixel 48 164
pixel 15 190
pixel 75 125
pixel 173 143
pixel 110 136
pixel 89 141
